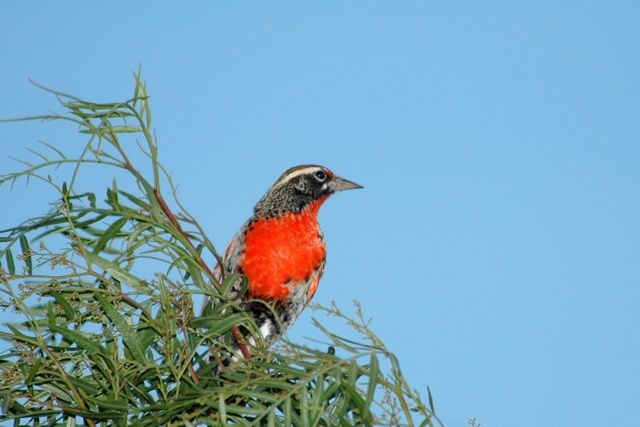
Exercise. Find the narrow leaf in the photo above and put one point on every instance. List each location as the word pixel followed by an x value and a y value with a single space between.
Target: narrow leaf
pixel 78 339
pixel 304 406
pixel 129 335
pixel 26 253
pixel 69 313
pixel 33 371
pixel 371 387
pixel 287 412
pixel 216 326
pixel 134 199
pixel 60 153
pixel 117 272
pixel 44 158
pixel 112 197
pixel 11 267
pixel 222 408
pixel 109 233
pixel 430 397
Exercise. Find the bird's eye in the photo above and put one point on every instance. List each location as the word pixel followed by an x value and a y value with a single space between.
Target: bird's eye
pixel 321 175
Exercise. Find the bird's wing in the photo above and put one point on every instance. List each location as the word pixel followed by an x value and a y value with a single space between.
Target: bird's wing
pixel 230 264
pixel 314 280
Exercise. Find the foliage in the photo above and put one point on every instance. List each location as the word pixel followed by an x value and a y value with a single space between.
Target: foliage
pixel 105 294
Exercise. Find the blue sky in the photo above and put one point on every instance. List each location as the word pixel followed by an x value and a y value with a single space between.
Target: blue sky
pixel 496 243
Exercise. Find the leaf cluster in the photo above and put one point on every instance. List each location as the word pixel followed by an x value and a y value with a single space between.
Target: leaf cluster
pixel 105 290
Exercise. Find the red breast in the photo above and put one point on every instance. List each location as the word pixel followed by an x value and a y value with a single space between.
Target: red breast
pixel 283 251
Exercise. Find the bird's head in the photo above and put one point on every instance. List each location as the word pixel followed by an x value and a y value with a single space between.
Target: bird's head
pixel 300 187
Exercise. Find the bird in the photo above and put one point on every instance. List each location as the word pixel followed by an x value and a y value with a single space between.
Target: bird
pixel 281 249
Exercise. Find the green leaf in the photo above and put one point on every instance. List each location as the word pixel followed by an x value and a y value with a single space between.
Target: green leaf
pixel 51 147
pixel 146 337
pixel 92 200
pixel 11 267
pixel 16 332
pixel 276 384
pixel 318 391
pixel 26 254
pixel 129 335
pixel 430 398
pixel 287 412
pixel 271 418
pixel 337 340
pixel 113 129
pixel 78 339
pixel 304 406
pixel 118 273
pixel 222 407
pixel 109 234
pixel 112 196
pixel 371 387
pixel 69 312
pixel 134 199
pixel 264 396
pixel 231 281
pixel 216 326
pixel 331 391
pixel 120 405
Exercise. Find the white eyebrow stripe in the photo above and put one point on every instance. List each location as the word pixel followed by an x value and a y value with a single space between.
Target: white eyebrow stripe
pixel 294 174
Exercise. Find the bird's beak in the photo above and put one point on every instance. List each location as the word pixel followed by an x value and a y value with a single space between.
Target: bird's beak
pixel 341 184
